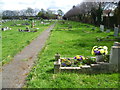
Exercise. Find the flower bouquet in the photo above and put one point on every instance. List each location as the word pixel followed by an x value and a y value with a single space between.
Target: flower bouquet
pixel 100 52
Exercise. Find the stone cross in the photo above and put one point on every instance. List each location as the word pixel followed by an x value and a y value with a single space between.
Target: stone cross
pixel 102 28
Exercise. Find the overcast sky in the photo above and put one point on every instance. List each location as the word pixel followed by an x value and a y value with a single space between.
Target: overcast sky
pixel 64 5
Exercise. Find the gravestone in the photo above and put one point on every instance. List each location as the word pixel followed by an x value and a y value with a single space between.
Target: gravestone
pixel 115 56
pixel 33 24
pixel 108 31
pixel 102 28
pixel 116 31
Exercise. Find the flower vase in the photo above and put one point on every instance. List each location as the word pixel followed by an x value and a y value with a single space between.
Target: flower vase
pixel 99 58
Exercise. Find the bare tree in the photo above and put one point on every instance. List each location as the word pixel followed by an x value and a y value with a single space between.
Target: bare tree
pixel 90 12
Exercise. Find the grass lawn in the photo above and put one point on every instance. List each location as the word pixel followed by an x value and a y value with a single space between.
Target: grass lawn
pixel 0 46
pixel 14 41
pixel 70 42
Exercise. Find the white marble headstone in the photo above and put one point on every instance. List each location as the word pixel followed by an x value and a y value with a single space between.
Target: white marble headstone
pixel 102 28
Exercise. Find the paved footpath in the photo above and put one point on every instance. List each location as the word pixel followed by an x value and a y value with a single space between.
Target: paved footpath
pixel 15 73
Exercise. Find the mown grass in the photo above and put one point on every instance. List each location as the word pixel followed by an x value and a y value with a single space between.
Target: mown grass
pixel 78 41
pixel 14 41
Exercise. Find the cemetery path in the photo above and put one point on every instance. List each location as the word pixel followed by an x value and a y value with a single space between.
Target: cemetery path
pixel 15 73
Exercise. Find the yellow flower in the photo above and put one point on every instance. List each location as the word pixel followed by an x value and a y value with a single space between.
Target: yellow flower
pixel 63 60
pixel 78 57
pixel 67 62
pixel 102 51
pixel 95 47
pixel 83 58
pixel 100 47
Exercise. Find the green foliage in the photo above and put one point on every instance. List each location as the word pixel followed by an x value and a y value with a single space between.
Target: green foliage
pixel 60 12
pixel 89 61
pixel 46 14
pixel 78 41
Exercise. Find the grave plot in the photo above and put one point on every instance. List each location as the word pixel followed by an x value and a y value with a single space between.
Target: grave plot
pixel 102 63
pixel 45 22
pixel 28 30
pixel 112 36
pixel 108 38
pixel 5 28
pixel 64 27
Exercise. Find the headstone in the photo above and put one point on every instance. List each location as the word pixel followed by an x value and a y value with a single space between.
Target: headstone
pixel 115 56
pixel 33 24
pixel 102 28
pixel 116 31
pixel 108 31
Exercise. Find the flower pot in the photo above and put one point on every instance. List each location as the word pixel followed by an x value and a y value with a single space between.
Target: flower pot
pixel 99 58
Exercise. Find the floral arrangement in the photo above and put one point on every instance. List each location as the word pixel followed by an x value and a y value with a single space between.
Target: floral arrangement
pixel 100 50
pixel 79 60
pixel 76 61
pixel 66 62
